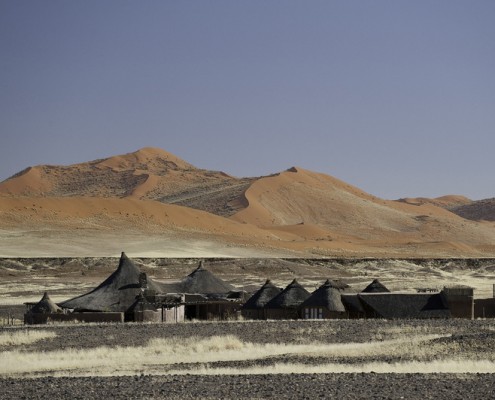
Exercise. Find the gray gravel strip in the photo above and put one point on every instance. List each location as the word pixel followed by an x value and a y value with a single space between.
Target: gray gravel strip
pixel 293 386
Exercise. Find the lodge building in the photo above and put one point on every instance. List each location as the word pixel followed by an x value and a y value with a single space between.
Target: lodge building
pixel 130 295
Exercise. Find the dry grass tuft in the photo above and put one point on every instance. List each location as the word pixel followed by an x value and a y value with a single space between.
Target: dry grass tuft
pixel 18 338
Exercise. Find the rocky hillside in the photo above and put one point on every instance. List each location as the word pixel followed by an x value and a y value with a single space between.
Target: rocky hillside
pixel 147 174
pixel 480 210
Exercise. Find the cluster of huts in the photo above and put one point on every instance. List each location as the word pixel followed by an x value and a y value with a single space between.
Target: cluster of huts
pixel 375 301
pixel 129 295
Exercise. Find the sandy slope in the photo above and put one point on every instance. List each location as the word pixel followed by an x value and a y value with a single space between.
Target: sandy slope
pixel 88 225
pixel 318 206
pixel 295 212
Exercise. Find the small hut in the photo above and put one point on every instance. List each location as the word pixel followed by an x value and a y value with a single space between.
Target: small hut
pixel 254 307
pixel 209 297
pixel 41 312
pixel 203 281
pixel 375 287
pixel 286 304
pixel 324 303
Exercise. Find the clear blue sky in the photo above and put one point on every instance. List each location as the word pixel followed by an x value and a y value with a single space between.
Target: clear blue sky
pixel 396 97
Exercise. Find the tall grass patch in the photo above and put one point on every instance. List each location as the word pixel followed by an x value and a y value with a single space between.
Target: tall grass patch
pixel 23 337
pixel 196 354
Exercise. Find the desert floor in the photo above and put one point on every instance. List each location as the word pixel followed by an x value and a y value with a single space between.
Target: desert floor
pixel 346 359
pixel 449 359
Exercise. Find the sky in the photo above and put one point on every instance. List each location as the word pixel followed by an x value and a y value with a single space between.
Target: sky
pixel 395 97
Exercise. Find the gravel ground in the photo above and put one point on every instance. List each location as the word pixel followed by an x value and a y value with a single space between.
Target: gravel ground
pixel 469 338
pixel 325 331
pixel 293 386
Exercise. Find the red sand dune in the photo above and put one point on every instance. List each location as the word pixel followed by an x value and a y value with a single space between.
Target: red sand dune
pixel 296 210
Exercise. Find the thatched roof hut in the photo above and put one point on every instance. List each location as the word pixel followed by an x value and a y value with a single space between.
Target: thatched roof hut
pixel 118 292
pixel 45 306
pixel 42 311
pixel 286 304
pixel 254 307
pixel 203 281
pixel 328 296
pixel 375 287
pixel 259 299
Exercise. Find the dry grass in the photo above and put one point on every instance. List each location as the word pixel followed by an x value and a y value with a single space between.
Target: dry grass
pixel 160 356
pixel 18 338
pixel 452 366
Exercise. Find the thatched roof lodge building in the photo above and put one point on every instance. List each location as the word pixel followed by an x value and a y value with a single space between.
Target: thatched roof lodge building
pixel 129 295
pixel 116 293
pixel 375 301
pixel 254 307
pixel 208 297
pixel 324 303
pixel 405 305
pixel 203 281
pixel 287 304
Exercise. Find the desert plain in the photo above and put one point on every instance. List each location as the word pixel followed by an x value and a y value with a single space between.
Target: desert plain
pixel 61 228
pixel 350 359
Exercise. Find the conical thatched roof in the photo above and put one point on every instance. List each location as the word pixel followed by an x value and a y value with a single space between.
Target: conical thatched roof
pixel 375 287
pixel 291 297
pixel 118 292
pixel 203 281
pixel 258 300
pixel 327 295
pixel 45 306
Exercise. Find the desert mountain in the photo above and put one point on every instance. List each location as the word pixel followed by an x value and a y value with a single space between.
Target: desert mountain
pixel 154 194
pixel 147 174
pixel 320 207
pixel 479 210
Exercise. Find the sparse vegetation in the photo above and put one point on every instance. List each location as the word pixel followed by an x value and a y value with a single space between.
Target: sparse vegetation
pixel 25 336
pixel 160 356
pixel 248 348
pixel 207 359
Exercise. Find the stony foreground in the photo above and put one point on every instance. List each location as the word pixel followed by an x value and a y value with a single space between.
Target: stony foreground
pixel 463 338
pixel 293 386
